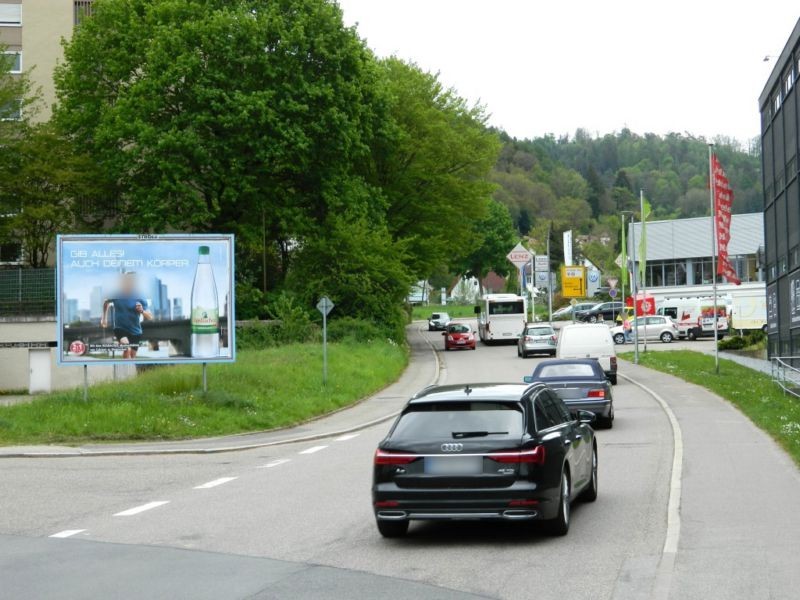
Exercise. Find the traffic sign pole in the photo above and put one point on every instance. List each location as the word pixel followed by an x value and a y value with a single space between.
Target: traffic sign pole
pixel 325 306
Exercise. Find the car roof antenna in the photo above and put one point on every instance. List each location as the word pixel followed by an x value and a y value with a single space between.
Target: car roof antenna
pixel 467 390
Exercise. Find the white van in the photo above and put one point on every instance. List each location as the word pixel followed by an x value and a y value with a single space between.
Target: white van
pixel 695 315
pixel 589 340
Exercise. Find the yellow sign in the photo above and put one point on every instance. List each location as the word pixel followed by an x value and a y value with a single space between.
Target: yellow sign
pixel 573 282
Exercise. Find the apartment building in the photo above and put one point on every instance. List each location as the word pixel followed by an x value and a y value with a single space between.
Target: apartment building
pixel 32 30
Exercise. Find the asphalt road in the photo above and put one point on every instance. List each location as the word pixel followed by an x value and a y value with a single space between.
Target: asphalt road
pixel 294 521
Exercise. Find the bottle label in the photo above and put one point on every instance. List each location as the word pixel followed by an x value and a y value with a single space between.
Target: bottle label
pixel 205 320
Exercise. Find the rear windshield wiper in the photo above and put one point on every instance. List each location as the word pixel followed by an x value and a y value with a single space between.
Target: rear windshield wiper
pixel 471 434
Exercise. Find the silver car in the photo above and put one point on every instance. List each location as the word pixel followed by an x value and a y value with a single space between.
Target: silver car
pixel 650 327
pixel 536 338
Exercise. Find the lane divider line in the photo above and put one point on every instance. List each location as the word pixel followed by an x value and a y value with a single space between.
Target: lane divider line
pixel 344 438
pixel 662 584
pixel 140 509
pixel 214 483
pixel 312 449
pixel 178 451
pixel 274 463
pixel 66 533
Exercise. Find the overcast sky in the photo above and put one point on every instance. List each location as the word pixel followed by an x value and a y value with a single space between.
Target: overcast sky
pixel 551 67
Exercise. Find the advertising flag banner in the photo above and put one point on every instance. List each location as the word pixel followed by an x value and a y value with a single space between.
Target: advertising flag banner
pixel 145 299
pixel 723 200
pixel 623 275
pixel 643 241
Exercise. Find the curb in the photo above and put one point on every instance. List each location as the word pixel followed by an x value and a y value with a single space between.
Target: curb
pixel 222 449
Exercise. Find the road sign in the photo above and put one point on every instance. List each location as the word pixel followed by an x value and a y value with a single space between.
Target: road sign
pixel 325 305
pixel 612 282
pixel 520 256
pixel 573 302
pixel 573 282
pixel 541 262
pixel 613 292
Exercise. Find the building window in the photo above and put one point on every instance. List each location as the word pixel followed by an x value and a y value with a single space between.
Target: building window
pixel 776 102
pixel 788 81
pixel 14 61
pixel 10 14
pixel 81 10
pixel 10 253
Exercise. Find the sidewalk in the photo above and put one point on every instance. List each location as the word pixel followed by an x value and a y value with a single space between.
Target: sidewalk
pixel 739 520
pixel 757 364
pixel 422 370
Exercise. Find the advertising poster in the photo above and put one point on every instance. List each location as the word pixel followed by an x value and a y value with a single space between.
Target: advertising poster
pixel 145 299
pixel 772 308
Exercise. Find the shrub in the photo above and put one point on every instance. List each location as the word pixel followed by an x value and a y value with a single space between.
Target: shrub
pixel 357 330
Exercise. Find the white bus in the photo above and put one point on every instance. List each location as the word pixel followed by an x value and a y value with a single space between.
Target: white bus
pixel 501 317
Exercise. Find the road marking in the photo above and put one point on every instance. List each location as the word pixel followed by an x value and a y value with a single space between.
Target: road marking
pixel 67 533
pixel 344 438
pixel 214 483
pixel 140 509
pixel 274 463
pixel 313 449
pixel 663 581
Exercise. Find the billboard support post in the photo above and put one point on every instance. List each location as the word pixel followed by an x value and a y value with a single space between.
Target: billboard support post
pixel 85 382
pixel 205 378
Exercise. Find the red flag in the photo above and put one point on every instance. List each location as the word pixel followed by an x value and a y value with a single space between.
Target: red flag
pixel 723 199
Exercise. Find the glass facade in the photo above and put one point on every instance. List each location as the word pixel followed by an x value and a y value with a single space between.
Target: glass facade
pixel 697 271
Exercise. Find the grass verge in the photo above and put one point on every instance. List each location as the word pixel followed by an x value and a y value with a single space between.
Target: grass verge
pixel 264 389
pixel 751 392
pixel 456 311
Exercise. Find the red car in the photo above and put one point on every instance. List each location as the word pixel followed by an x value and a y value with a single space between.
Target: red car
pixel 458 335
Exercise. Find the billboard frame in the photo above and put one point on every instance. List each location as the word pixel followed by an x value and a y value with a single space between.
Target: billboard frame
pixel 198 238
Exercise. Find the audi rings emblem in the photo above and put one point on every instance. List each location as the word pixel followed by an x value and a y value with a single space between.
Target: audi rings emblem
pixel 452 447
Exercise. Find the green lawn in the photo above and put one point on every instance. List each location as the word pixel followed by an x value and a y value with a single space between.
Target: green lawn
pixel 752 392
pixel 456 311
pixel 263 389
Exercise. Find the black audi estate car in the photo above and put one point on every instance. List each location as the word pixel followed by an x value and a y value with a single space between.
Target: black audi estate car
pixel 488 451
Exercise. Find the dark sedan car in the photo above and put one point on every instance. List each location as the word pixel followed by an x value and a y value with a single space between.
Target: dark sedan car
pixel 489 451
pixel 607 311
pixel 580 383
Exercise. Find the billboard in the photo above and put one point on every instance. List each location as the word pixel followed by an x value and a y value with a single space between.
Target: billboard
pixel 145 299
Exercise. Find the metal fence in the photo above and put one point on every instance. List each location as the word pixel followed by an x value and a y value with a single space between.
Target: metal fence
pixel 26 292
pixel 786 375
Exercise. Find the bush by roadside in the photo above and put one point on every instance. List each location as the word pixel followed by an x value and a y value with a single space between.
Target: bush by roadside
pixel 755 339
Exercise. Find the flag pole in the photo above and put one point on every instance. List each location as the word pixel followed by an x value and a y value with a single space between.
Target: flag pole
pixel 713 213
pixel 643 258
pixel 634 274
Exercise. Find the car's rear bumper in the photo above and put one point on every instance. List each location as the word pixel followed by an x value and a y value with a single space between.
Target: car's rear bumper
pixel 602 408
pixel 543 348
pixel 520 502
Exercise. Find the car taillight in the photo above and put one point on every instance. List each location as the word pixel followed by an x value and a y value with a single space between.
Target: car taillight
pixel 553 338
pixel 597 394
pixel 393 458
pixel 613 362
pixel 534 456
pixel 528 338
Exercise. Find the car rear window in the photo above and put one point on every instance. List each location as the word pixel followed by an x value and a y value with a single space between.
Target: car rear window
pixel 538 331
pixel 441 420
pixel 566 370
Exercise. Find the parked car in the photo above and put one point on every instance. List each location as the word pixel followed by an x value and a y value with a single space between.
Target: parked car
pixel 565 312
pixel 458 336
pixel 580 383
pixel 492 452
pixel 605 311
pixel 536 339
pixel 438 321
pixel 589 340
pixel 650 328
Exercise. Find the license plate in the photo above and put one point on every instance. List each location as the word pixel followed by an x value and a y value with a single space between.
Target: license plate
pixel 507 333
pixel 461 342
pixel 453 465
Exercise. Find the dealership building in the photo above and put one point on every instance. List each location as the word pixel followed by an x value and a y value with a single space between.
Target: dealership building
pixel 678 256
pixel 778 104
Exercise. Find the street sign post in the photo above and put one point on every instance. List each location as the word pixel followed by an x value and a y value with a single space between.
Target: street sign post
pixel 613 292
pixel 325 305
pixel 573 282
pixel 519 257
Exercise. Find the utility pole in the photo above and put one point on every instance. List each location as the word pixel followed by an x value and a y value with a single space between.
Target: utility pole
pixel 635 325
pixel 549 277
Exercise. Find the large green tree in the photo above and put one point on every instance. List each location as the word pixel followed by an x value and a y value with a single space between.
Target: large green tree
pixel 494 237
pixel 433 166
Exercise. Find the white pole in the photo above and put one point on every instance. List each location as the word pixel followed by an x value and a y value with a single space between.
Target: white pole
pixel 533 286
pixel 643 258
pixel 635 325
pixel 549 279
pixel 713 213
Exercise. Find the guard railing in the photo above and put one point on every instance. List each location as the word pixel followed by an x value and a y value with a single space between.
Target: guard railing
pixel 786 375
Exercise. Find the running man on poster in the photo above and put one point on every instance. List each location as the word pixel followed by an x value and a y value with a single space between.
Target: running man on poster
pixel 147 299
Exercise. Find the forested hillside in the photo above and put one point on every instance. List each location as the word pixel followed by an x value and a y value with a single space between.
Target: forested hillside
pixel 583 182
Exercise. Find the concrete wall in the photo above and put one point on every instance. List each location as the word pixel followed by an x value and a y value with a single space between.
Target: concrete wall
pixel 14 363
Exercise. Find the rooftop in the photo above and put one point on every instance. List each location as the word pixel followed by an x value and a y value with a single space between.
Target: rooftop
pixel 691 238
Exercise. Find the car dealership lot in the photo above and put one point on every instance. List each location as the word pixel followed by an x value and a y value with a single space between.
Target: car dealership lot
pixel 309 504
